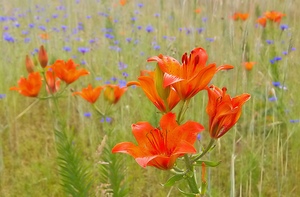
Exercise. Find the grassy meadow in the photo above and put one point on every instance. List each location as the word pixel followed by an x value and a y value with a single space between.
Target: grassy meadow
pixel 260 155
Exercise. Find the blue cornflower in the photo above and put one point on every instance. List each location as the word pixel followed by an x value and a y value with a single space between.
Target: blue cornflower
pixel 284 27
pixel 115 48
pixel 43 28
pixel 210 39
pixel 27 40
pixel 294 121
pixel 276 83
pixel 87 114
pixel 80 26
pixel 122 83
pixel 277 58
pixel 98 78
pixel 285 52
pixel 140 5
pixel 199 136
pixel 156 47
pixel 157 15
pixel 269 41
pixel 31 25
pixel 122 65
pixel 108 119
pixel 114 79
pixel 200 30
pixel 103 14
pixel 8 37
pixel 139 27
pixel 54 15
pixel 128 40
pixel 64 27
pixel 109 36
pixel 272 61
pixel 272 99
pixel 67 48
pixel 83 50
pixel 25 32
pixel 149 28
pixel 204 19
pixel 92 41
pixel 188 31
pixel 3 18
pixel 125 74
pixel 2 96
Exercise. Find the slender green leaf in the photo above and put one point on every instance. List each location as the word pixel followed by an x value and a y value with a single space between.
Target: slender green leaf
pixel 171 181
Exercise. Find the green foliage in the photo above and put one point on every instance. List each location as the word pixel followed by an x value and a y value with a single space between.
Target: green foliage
pixel 111 168
pixel 75 177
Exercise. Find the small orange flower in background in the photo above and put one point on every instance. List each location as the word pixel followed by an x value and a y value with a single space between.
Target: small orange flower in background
pixel 193 72
pixel 274 16
pixel 223 111
pixel 67 71
pixel 43 57
pixel 262 21
pixel 29 87
pixel 198 11
pixel 249 65
pixel 44 36
pixel 123 2
pixel 53 83
pixel 160 147
pixel 148 82
pixel 113 93
pixel 90 94
pixel 240 16
pixel 29 64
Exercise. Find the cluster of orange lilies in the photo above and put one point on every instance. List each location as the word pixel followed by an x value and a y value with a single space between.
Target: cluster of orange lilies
pixel 170 83
pixel 65 71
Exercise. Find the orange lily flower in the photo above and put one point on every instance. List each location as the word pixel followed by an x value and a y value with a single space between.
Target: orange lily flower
pixel 193 72
pixel 160 147
pixel 67 71
pixel 262 21
pixel 113 93
pixel 223 111
pixel 274 16
pixel 249 65
pixel 90 94
pixel 148 85
pixel 53 83
pixel 29 87
pixel 240 16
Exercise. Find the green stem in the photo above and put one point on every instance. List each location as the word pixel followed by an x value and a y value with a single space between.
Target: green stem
pixel 182 111
pixel 191 178
pixel 211 143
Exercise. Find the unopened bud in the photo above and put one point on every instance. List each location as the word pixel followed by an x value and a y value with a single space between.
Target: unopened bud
pixel 29 64
pixel 43 57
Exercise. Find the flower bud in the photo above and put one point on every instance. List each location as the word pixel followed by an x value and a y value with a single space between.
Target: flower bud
pixel 43 57
pixel 29 64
